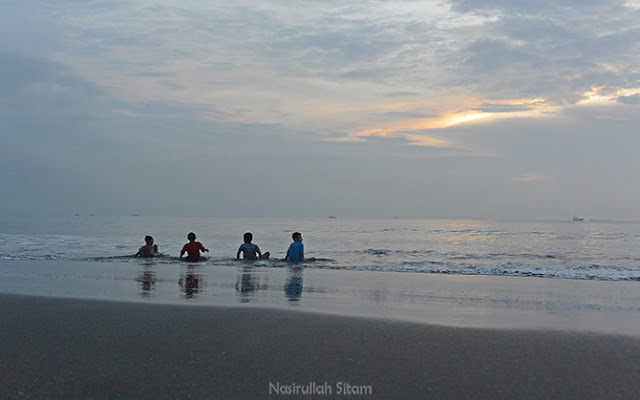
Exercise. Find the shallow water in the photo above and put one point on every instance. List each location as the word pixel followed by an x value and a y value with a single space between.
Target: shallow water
pixel 436 299
pixel 576 250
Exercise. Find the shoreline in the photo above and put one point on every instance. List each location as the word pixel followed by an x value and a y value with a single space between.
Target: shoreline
pixel 446 300
pixel 75 349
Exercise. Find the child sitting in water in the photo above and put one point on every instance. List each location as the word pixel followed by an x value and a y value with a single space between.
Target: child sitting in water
pixel 192 249
pixel 251 251
pixel 149 249
pixel 295 254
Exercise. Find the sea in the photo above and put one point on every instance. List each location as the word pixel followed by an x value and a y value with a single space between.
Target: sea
pixel 585 250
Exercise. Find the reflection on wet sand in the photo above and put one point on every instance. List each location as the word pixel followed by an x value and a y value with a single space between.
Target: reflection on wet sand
pixel 293 286
pixel 147 280
pixel 248 283
pixel 191 281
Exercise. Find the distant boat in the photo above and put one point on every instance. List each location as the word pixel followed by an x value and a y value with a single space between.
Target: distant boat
pixel 332 217
pixel 578 219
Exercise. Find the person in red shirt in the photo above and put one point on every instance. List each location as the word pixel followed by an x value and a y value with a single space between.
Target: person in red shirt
pixel 192 249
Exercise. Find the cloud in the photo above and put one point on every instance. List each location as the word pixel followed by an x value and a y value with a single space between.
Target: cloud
pixel 503 108
pixel 400 94
pixel 530 177
pixel 542 7
pixel 41 98
pixel 269 59
pixel 550 49
pixel 128 97
pixel 409 114
pixel 608 95
pixel 24 75
pixel 634 99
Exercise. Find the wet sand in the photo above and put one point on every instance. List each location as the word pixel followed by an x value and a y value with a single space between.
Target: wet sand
pixel 435 299
pixel 86 349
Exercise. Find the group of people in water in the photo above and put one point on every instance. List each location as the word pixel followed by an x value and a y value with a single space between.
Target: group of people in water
pixel 249 251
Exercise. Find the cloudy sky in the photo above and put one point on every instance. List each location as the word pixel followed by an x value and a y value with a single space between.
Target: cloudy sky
pixel 415 109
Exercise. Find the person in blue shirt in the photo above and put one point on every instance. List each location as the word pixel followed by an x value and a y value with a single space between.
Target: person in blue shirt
pixel 251 251
pixel 295 254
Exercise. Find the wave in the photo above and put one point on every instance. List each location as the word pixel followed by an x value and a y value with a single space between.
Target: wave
pixel 592 272
pixel 384 262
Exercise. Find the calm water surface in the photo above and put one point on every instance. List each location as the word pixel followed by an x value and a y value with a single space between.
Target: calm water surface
pixel 578 250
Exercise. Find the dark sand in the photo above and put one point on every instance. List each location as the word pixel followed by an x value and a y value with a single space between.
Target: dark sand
pixel 77 349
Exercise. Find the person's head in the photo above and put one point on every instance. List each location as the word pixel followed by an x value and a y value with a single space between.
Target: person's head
pixel 148 239
pixel 297 237
pixel 191 236
pixel 248 237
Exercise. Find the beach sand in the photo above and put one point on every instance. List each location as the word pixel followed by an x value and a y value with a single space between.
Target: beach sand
pixel 54 348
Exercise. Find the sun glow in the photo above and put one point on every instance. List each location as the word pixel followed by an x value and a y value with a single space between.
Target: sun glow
pixel 413 130
pixel 596 96
pixel 476 111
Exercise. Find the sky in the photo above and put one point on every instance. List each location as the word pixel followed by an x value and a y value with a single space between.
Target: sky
pixel 485 109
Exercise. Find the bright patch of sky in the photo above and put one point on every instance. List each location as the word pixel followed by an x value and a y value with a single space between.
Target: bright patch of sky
pixel 377 105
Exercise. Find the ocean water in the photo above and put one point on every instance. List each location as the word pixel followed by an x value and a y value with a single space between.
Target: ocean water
pixel 560 250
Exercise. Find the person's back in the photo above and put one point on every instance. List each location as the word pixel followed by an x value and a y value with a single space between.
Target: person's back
pixel 149 249
pixel 295 253
pixel 192 248
pixel 249 250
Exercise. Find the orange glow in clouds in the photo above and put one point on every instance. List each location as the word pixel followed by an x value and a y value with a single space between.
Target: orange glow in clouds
pixel 476 111
pixel 595 96
pixel 413 130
